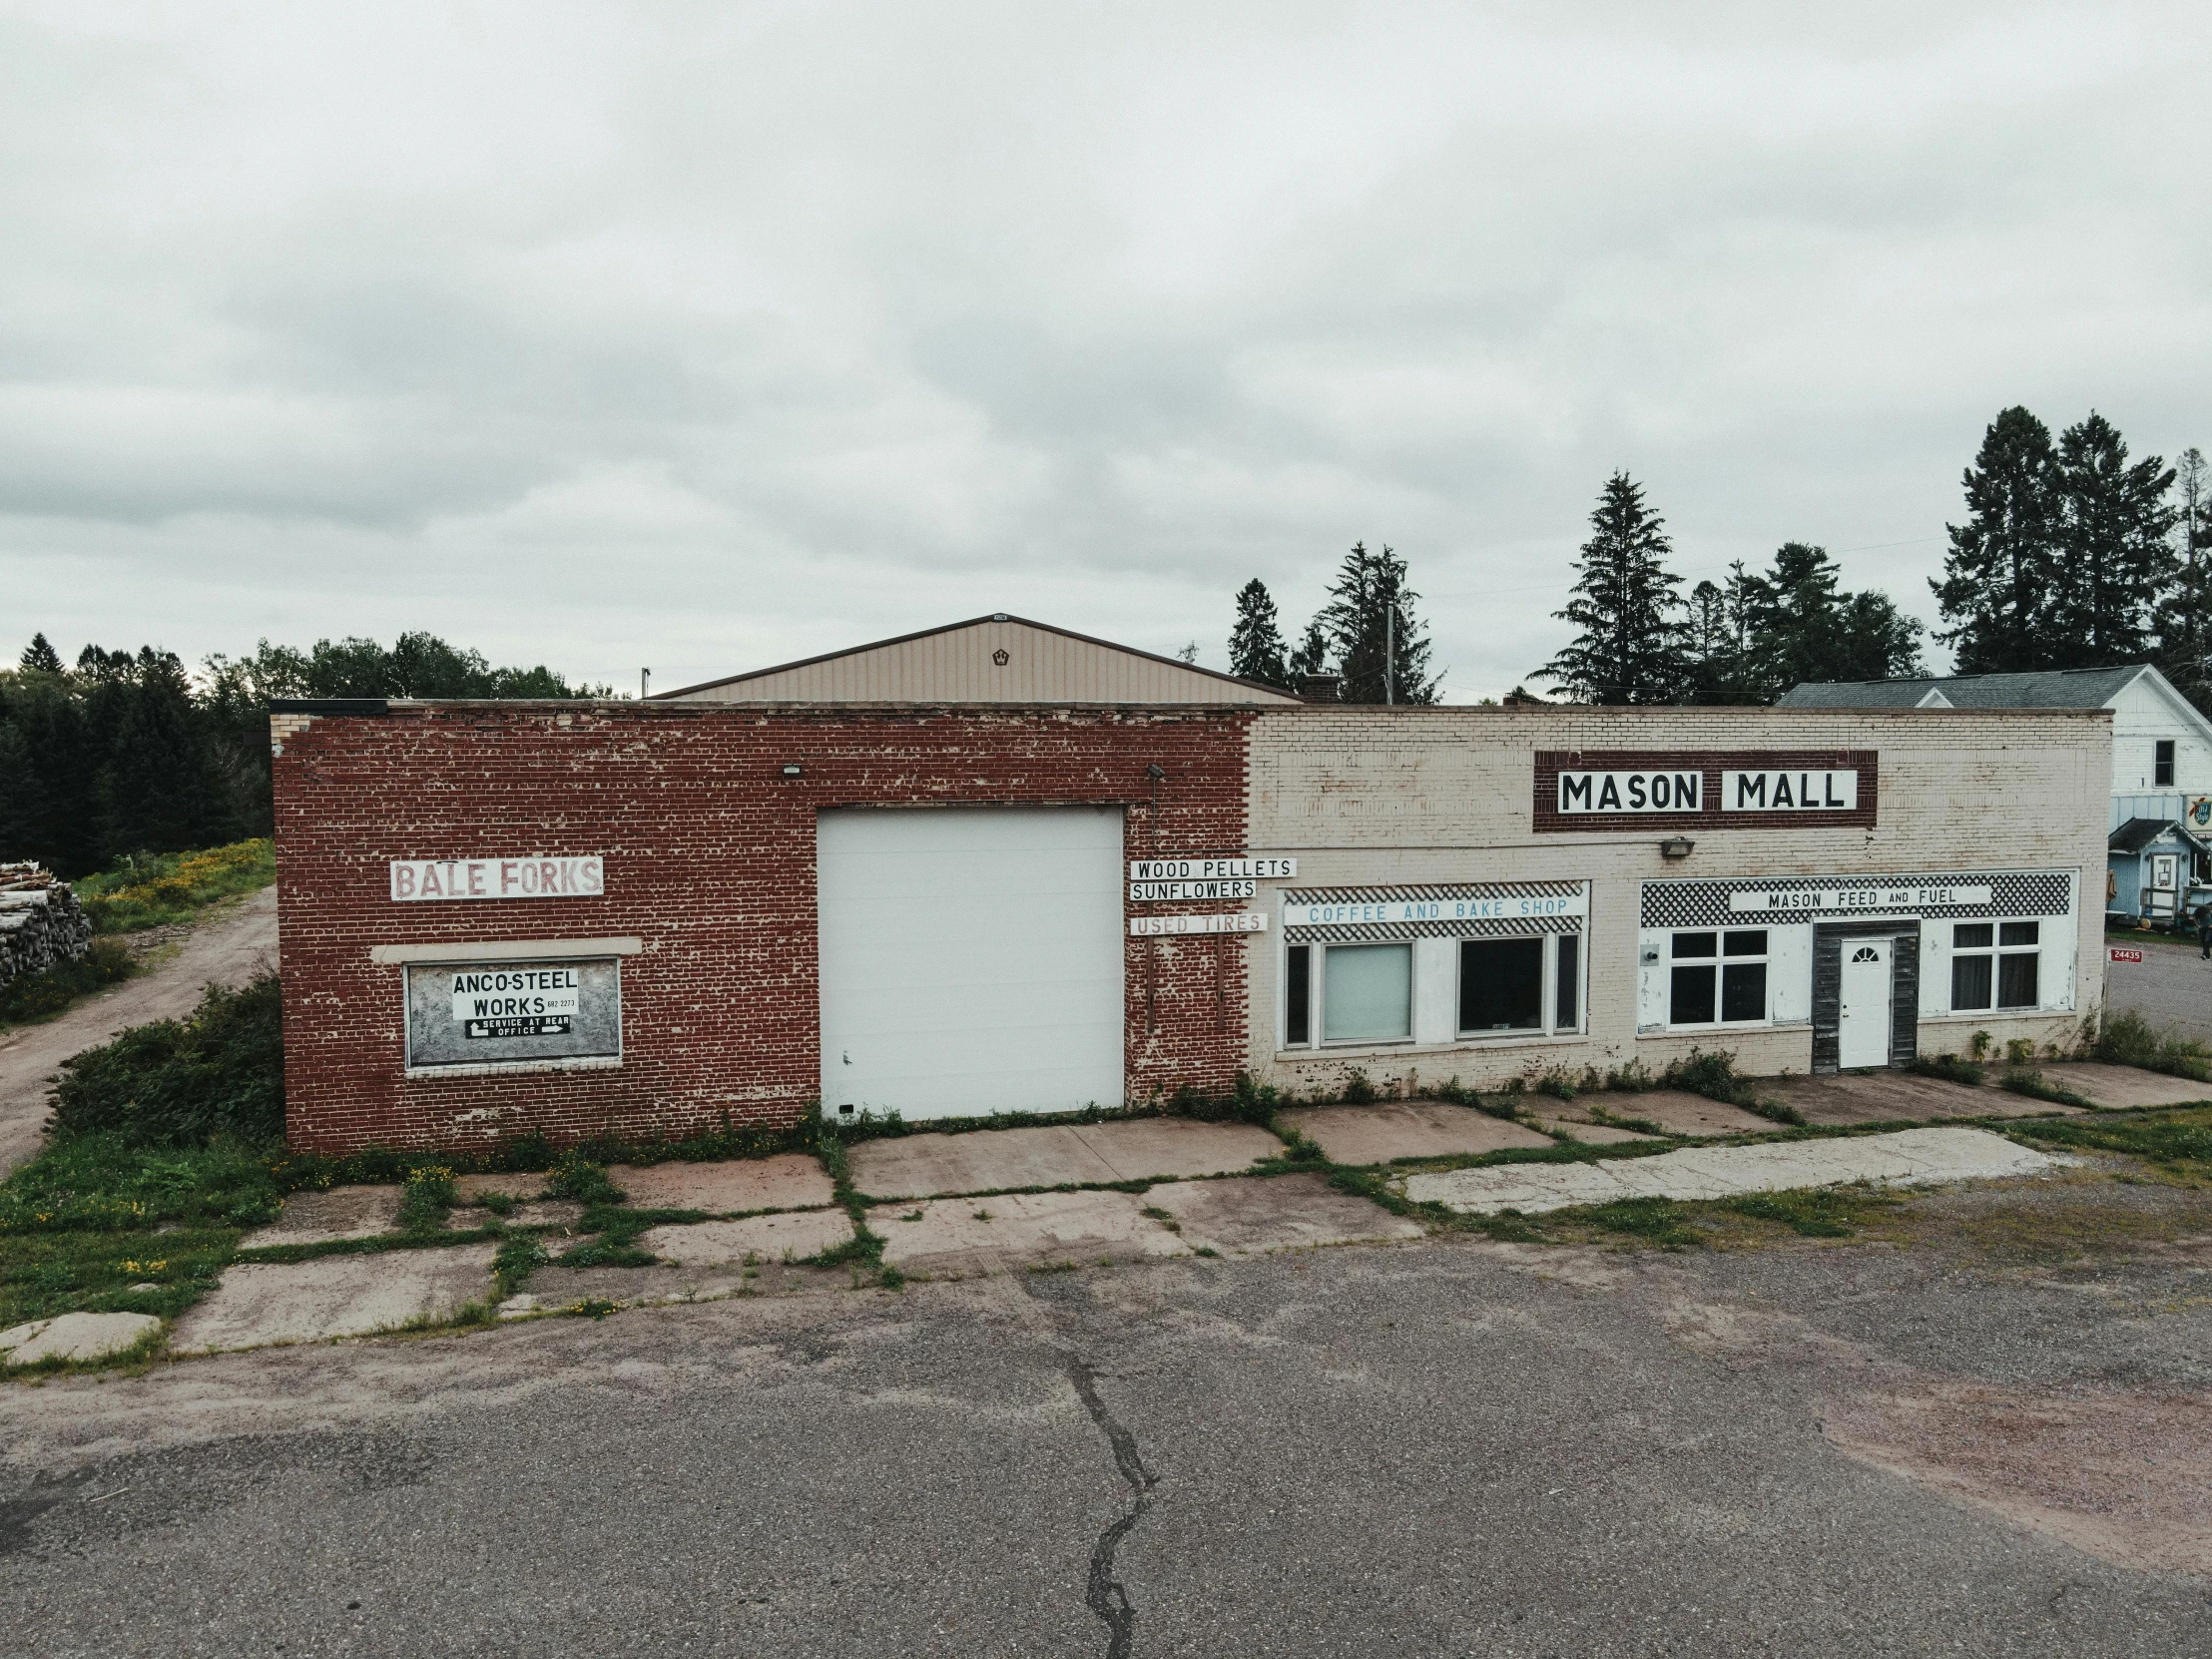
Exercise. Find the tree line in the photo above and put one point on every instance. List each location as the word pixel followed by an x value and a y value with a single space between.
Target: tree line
pixel 123 751
pixel 2071 556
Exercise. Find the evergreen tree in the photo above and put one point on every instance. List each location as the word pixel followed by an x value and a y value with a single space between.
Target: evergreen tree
pixel 2003 567
pixel 1805 628
pixel 1632 644
pixel 2115 561
pixel 1256 650
pixel 39 657
pixel 1312 655
pixel 1376 635
pixel 2185 633
pixel 154 792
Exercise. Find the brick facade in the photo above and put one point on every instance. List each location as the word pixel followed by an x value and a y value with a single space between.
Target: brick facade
pixel 710 865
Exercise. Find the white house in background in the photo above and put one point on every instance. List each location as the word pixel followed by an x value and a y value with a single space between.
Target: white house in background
pixel 2161 745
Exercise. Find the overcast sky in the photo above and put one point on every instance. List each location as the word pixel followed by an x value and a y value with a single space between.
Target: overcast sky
pixel 709 336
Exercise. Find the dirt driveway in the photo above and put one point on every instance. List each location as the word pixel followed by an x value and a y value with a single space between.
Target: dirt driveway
pixel 226 949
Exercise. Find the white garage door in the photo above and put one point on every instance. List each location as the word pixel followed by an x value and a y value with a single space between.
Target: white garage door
pixel 971 959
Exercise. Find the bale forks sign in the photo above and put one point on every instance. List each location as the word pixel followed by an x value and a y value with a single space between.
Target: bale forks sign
pixel 416 879
pixel 1734 790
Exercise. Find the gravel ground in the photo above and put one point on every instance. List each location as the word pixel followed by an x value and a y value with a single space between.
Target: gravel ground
pixel 227 947
pixel 1977 1431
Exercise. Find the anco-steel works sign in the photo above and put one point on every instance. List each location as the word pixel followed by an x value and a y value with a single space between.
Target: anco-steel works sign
pixel 1601 789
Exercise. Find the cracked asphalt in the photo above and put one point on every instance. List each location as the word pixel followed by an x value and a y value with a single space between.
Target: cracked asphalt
pixel 1446 1448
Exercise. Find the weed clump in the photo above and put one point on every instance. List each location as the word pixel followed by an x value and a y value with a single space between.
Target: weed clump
pixel 577 1177
pixel 1950 1068
pixel 35 996
pixel 2129 1040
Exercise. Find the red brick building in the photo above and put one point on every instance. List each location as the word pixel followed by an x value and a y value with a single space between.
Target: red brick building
pixel 592 918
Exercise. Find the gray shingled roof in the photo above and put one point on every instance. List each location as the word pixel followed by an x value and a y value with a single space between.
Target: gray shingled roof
pixel 2072 688
pixel 2138 832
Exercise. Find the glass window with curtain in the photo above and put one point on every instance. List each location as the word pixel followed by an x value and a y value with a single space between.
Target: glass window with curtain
pixel 1368 993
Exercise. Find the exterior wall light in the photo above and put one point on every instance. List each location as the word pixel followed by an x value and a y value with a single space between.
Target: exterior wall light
pixel 792 768
pixel 1676 846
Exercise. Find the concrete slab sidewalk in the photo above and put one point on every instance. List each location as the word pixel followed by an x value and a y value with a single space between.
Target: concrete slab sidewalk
pixel 787 1181
pixel 1405 1129
pixel 1283 1212
pixel 338 1295
pixel 1019 1230
pixel 1177 1149
pixel 1590 1134
pixel 2125 1086
pixel 1910 1156
pixel 1678 1113
pixel 917 1166
pixel 1895 1097
pixel 708 1244
pixel 321 1217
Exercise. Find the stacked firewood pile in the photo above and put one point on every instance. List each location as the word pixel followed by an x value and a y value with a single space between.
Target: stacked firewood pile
pixel 41 922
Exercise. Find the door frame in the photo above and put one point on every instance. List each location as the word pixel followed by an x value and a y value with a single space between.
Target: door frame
pixel 1827 988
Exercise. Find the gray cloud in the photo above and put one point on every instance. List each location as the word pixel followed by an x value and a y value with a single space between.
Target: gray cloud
pixel 712 336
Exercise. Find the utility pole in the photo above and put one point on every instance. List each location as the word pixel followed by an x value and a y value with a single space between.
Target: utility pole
pixel 1390 652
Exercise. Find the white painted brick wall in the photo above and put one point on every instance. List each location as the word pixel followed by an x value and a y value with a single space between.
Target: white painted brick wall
pixel 1369 797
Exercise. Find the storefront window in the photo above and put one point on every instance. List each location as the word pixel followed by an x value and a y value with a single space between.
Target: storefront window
pixel 1501 985
pixel 1368 993
pixel 1298 996
pixel 1719 978
pixel 1569 1011
pixel 2004 958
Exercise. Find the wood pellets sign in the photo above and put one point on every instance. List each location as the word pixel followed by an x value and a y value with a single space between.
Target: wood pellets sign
pixel 1740 790
pixel 1169 881
pixel 513 1013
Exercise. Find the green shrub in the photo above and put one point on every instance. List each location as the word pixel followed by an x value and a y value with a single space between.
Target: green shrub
pixel 147 889
pixel 2026 1079
pixel 185 1082
pixel 2129 1040
pixel 1951 1068
pixel 428 1193
pixel 41 995
pixel 1358 1091
pixel 1711 1075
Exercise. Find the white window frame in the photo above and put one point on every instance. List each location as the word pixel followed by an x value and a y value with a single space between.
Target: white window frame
pixel 1317 993
pixel 1994 950
pixel 1548 991
pixel 1719 960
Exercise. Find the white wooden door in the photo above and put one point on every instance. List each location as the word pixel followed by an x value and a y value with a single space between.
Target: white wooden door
pixel 971 959
pixel 1862 1033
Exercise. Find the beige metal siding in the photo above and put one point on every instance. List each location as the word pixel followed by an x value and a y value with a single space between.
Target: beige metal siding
pixel 956 667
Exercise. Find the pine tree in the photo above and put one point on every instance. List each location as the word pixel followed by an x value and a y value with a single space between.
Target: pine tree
pixel 154 792
pixel 39 657
pixel 2185 634
pixel 2115 559
pixel 1373 628
pixel 2003 567
pixel 1632 645
pixel 1256 643
pixel 1312 655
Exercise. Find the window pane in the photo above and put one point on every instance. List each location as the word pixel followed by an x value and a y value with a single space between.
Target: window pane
pixel 1569 1015
pixel 1972 935
pixel 2162 765
pixel 1692 1002
pixel 1502 984
pixel 1298 996
pixel 1753 943
pixel 2017 980
pixel 2019 933
pixel 1694 945
pixel 1744 991
pixel 1368 992
pixel 1970 983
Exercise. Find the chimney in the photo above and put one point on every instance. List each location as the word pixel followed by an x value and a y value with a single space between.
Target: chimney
pixel 1319 687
